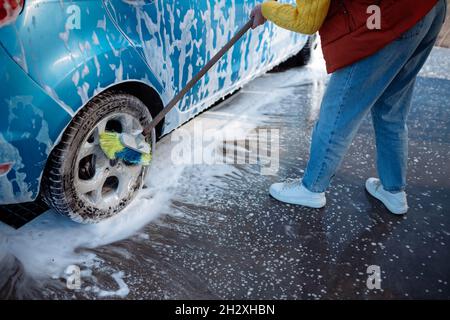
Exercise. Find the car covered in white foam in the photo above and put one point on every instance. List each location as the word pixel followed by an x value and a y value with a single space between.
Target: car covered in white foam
pixel 74 69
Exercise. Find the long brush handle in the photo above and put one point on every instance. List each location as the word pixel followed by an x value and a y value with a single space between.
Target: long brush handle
pixel 198 77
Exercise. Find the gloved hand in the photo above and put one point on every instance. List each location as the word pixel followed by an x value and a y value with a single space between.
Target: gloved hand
pixel 257 16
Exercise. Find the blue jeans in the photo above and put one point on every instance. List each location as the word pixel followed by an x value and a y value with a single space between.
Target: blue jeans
pixel 382 84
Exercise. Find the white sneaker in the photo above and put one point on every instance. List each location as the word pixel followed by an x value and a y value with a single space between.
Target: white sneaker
pixel 395 202
pixel 294 192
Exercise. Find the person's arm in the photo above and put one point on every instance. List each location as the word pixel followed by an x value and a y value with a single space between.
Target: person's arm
pixel 307 17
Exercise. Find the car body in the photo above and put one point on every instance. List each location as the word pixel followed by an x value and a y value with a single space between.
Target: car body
pixel 58 55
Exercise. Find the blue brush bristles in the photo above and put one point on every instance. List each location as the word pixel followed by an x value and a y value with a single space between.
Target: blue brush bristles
pixel 130 156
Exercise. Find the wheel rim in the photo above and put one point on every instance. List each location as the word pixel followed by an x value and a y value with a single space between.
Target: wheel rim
pixel 101 182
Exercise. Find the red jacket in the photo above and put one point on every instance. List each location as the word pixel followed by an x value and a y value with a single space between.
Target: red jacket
pixel 346 37
pixel 9 10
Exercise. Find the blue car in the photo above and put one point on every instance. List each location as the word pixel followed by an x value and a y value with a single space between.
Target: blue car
pixel 70 70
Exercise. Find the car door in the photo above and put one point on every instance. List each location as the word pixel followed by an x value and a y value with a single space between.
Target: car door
pixel 178 37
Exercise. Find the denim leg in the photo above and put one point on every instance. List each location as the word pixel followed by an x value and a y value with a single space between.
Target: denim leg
pixel 351 93
pixel 391 133
pixel 333 130
pixel 390 114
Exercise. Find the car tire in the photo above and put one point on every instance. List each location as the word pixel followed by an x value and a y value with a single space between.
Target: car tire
pixel 77 163
pixel 300 59
pixel 304 56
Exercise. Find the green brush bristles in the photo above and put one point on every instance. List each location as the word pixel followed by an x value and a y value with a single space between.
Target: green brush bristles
pixel 114 149
pixel 111 144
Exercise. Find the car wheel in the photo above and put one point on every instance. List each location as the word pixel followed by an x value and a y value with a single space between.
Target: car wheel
pixel 80 181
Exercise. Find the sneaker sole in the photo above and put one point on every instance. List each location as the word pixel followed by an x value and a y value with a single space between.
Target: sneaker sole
pixel 398 212
pixel 309 204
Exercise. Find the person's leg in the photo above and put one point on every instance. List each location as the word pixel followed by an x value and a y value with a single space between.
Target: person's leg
pixel 354 90
pixel 390 112
pixel 351 93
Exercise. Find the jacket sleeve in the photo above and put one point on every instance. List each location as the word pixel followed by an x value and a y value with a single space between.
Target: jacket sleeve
pixel 307 17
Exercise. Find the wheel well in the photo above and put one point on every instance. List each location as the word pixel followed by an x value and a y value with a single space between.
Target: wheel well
pixel 146 94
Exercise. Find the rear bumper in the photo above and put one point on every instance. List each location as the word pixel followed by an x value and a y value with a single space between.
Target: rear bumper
pixel 30 122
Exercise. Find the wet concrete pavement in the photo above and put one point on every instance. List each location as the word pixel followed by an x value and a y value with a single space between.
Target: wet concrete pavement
pixel 218 234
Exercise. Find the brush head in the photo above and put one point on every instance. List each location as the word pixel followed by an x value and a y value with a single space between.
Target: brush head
pixel 110 144
pixel 114 147
pixel 136 143
pixel 134 157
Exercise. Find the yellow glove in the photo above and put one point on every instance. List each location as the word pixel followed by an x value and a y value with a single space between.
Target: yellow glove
pixel 306 18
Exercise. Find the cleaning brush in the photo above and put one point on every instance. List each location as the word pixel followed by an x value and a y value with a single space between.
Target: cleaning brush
pixel 125 147
pixel 122 146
